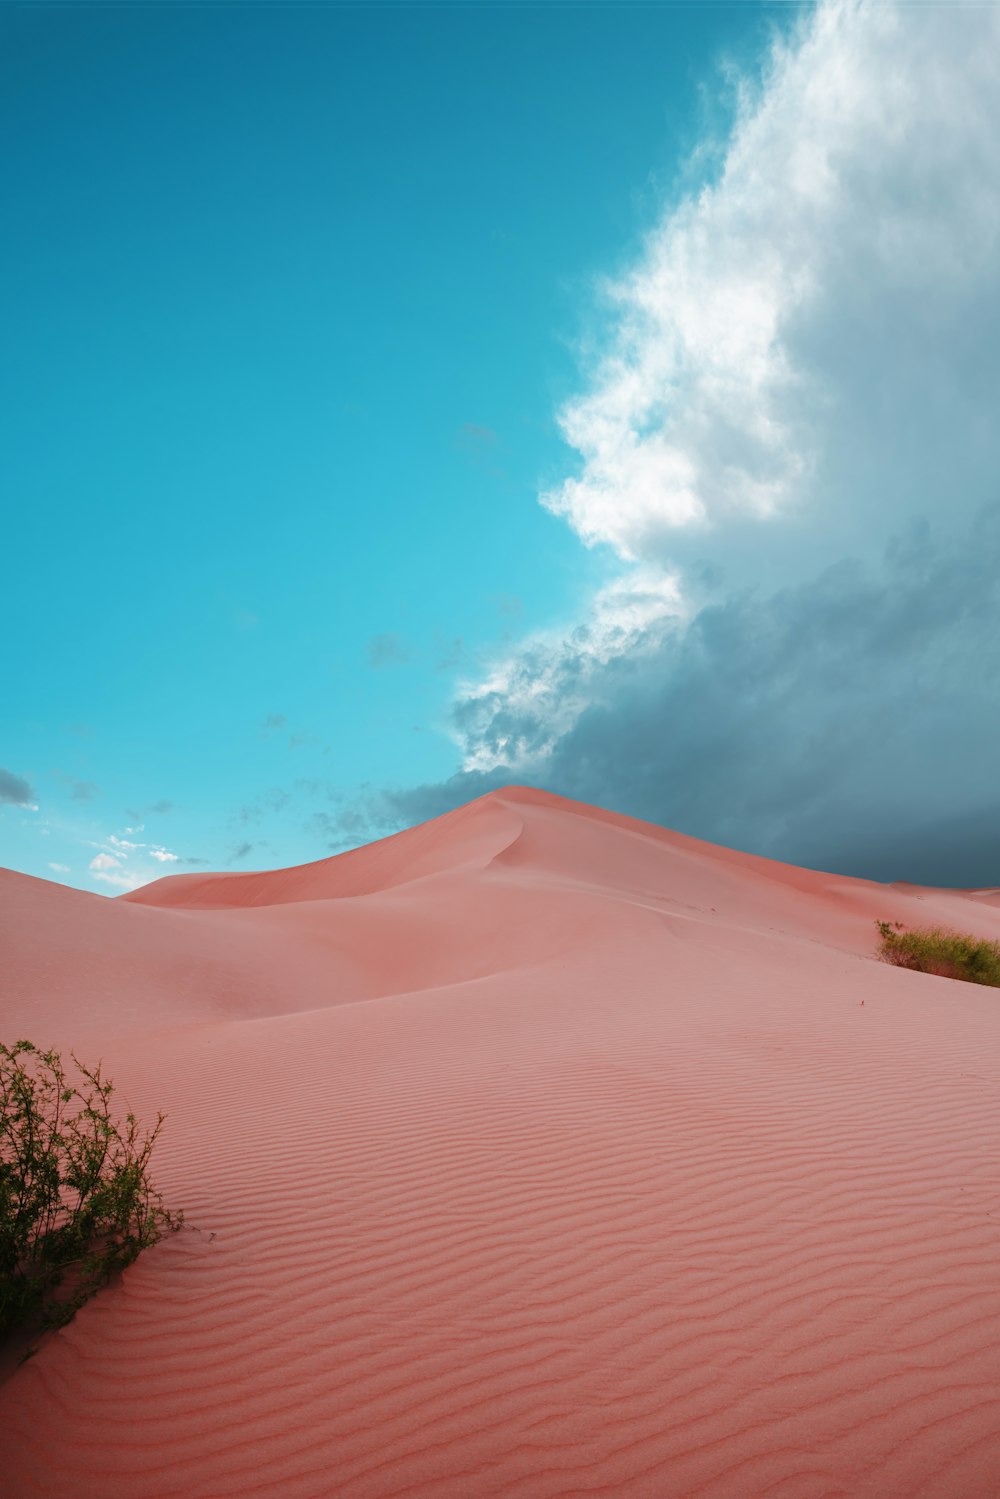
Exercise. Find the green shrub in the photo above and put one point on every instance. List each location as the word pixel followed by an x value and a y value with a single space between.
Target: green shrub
pixel 951 955
pixel 76 1203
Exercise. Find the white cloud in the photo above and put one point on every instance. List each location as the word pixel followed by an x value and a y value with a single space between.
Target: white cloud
pixel 122 879
pixel 845 723
pixel 59 868
pixel 119 861
pixel 802 359
pixel 545 684
pixel 111 870
pixel 852 230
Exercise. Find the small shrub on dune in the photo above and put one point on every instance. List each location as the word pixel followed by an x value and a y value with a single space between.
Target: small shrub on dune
pixel 76 1201
pixel 950 955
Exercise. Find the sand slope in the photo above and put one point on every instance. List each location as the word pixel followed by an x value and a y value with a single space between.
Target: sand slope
pixel 534 1152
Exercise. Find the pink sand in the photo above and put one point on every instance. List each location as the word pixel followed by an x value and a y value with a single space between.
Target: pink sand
pixel 532 1153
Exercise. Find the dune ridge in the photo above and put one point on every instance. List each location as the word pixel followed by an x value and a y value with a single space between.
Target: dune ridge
pixel 533 1152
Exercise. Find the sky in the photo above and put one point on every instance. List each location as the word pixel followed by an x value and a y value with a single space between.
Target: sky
pixel 403 401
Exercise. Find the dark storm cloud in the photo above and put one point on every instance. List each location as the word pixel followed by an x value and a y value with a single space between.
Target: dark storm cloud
pixel 848 724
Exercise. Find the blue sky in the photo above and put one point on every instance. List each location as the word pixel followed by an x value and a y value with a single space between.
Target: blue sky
pixel 307 309
pixel 290 302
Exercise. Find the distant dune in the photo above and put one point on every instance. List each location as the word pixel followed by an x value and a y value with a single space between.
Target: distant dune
pixel 532 1153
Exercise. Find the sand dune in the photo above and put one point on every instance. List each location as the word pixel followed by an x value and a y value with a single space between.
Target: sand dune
pixel 531 1153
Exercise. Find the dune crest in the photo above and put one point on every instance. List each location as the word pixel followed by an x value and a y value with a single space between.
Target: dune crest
pixel 469 836
pixel 532 1152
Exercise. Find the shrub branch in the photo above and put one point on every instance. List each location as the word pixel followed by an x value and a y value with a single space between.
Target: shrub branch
pixel 951 955
pixel 76 1200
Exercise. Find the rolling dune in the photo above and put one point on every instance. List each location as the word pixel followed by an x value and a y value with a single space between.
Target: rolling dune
pixel 531 1153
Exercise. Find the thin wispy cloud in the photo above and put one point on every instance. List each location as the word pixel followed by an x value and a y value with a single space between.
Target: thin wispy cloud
pixel 15 791
pixel 343 828
pixel 125 863
pixel 387 650
pixel 472 438
pixel 157 809
pixel 109 869
pixel 80 791
pixel 482 448
pixel 451 654
pixel 508 605
pixel 275 799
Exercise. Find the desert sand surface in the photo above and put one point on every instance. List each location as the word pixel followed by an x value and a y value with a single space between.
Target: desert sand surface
pixel 532 1153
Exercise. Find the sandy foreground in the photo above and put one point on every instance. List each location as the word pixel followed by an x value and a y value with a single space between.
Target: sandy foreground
pixel 532 1153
